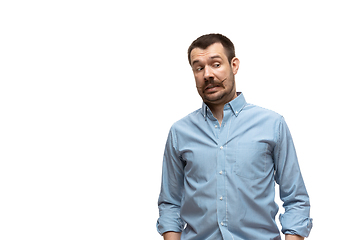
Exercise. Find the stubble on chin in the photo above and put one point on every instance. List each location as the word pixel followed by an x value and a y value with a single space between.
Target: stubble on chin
pixel 210 99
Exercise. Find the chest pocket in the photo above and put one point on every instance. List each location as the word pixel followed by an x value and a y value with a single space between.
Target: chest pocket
pixel 252 160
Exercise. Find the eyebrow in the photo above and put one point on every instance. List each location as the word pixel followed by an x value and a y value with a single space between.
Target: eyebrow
pixel 213 57
pixel 195 61
pixel 216 56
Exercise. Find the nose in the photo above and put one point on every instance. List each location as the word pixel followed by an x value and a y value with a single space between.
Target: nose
pixel 208 73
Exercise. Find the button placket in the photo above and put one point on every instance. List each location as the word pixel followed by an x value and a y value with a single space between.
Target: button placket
pixel 221 167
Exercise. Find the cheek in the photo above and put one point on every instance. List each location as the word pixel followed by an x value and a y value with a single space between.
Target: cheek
pixel 199 82
pixel 229 83
pixel 221 75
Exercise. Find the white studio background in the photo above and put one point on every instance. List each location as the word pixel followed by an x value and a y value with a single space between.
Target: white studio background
pixel 89 90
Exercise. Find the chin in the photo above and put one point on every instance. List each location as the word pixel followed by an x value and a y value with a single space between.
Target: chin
pixel 213 97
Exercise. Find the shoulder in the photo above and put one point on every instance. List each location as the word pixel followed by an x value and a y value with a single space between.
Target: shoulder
pixel 262 117
pixel 260 112
pixel 189 120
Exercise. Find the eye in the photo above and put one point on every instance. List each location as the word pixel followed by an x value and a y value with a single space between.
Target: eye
pixel 217 65
pixel 198 69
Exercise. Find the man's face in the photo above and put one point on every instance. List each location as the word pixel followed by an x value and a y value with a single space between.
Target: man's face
pixel 214 75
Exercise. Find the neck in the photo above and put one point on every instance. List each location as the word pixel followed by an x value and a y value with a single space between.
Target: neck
pixel 218 109
pixel 218 112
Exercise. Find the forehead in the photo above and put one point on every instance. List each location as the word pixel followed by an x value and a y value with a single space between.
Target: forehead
pixel 216 49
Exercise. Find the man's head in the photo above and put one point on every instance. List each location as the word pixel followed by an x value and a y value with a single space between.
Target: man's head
pixel 206 40
pixel 213 61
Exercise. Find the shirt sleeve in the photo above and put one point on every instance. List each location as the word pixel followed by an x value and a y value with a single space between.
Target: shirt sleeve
pixel 172 186
pixel 296 219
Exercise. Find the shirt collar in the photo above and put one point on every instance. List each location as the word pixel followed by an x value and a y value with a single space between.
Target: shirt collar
pixel 236 105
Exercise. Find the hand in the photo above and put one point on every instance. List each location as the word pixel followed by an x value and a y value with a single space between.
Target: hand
pixel 293 237
pixel 172 236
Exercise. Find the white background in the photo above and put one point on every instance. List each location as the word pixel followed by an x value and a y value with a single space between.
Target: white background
pixel 89 90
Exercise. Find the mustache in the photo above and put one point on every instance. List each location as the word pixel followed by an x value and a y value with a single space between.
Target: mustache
pixel 212 84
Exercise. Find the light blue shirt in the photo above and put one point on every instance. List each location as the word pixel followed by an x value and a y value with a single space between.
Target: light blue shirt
pixel 219 181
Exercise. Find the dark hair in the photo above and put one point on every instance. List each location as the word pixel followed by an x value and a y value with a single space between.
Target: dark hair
pixel 205 41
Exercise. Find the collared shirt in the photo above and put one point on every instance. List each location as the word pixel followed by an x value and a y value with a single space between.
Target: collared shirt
pixel 218 182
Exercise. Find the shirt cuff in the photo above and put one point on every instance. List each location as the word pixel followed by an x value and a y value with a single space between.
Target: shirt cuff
pixel 295 224
pixel 169 225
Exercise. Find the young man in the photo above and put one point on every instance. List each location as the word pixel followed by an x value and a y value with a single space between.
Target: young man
pixel 221 161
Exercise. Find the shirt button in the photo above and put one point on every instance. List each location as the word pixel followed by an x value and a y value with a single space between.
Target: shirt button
pixel 221 148
pixel 221 172
pixel 215 126
pixel 222 224
pixel 221 198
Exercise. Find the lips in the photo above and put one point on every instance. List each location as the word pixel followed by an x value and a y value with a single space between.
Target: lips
pixel 211 87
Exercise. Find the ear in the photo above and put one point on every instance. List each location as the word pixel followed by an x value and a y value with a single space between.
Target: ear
pixel 235 64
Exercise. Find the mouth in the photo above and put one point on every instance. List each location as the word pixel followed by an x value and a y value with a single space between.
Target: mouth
pixel 211 88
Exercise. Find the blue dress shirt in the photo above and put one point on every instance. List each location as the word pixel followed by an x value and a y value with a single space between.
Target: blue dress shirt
pixel 218 182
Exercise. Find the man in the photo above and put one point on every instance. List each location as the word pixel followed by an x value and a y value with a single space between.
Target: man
pixel 221 161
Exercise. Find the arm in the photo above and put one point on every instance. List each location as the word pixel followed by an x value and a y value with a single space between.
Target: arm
pixel 172 236
pixel 292 237
pixel 295 220
pixel 172 186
